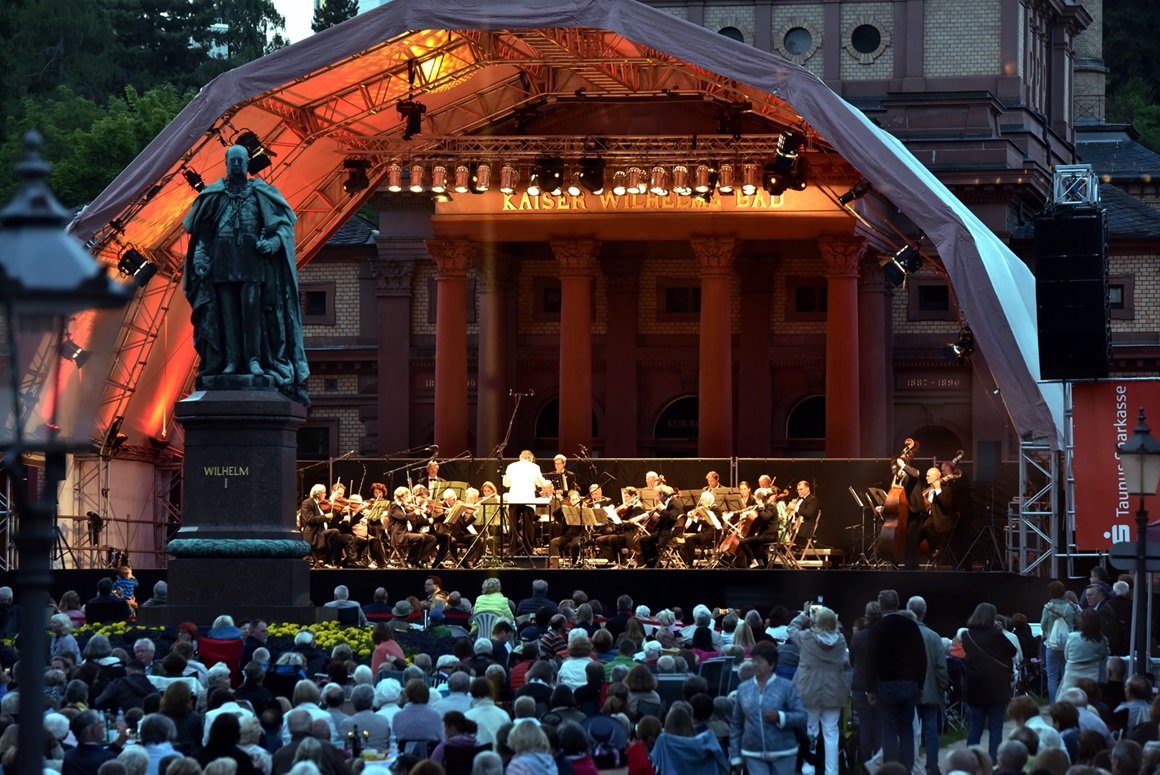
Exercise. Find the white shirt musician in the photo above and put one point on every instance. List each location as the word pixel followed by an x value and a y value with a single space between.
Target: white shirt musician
pixel 523 479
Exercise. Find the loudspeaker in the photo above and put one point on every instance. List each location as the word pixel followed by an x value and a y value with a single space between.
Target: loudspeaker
pixel 986 461
pixel 1071 294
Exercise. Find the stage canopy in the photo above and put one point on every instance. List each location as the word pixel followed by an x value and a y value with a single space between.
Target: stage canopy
pixel 319 105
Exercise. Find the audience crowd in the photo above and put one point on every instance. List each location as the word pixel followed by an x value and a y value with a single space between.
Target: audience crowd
pixel 544 686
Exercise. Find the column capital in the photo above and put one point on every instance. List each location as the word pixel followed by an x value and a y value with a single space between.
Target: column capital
pixel 870 277
pixel 842 254
pixel 452 256
pixel 392 275
pixel 715 255
pixel 576 258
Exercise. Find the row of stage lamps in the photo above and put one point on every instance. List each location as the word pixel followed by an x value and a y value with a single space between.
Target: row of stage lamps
pixel 551 176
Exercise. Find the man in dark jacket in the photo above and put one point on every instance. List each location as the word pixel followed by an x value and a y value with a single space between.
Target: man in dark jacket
pixel 253 689
pixel 106 607
pixel 529 605
pixel 88 755
pixel 128 691
pixel 298 723
pixel 896 671
pixel 1109 623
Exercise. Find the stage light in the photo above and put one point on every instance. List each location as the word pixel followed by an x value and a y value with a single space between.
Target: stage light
pixel 592 174
pixel 547 175
pixel 157 444
pixel 659 181
pixel 438 179
pixel 481 179
pixel 71 351
pixel 574 185
pixel 508 177
pixel 749 179
pixel 725 179
pixel 635 183
pixel 700 178
pixel 961 349
pixel 411 112
pixel 620 183
pixel 417 178
pixel 193 179
pixel 902 264
pixel 356 179
pixel 259 154
pixel 462 179
pixel 681 180
pixel 395 177
pixel 133 264
pixel 856 192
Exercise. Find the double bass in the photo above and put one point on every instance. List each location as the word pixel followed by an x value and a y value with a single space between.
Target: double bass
pixel 896 510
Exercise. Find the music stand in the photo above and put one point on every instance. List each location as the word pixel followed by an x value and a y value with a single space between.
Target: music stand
pixel 459 488
pixel 687 500
pixel 728 498
pixel 860 542
pixel 648 497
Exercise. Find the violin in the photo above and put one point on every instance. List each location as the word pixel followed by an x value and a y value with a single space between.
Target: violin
pixel 896 510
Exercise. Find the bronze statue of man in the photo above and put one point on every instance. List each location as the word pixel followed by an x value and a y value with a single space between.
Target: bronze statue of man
pixel 241 282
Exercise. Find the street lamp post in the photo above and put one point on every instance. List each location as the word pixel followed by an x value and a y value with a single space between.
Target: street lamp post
pixel 46 277
pixel 1140 459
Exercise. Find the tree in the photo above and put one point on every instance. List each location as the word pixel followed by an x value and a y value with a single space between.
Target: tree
pixel 332 12
pixel 248 29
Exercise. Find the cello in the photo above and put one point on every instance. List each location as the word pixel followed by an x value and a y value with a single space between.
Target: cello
pixel 896 510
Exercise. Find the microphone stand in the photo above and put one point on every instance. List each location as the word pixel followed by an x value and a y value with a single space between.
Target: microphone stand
pixel 504 511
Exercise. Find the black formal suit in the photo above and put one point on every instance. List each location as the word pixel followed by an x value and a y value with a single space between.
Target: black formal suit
pixel 651 545
pixel 403 534
pixel 932 523
pixel 699 531
pixel 763 532
pixel 313 523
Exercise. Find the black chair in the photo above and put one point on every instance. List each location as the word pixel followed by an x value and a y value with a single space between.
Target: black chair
pixel 670 690
pixel 716 673
pixel 421 748
pixel 459 759
pixel 348 617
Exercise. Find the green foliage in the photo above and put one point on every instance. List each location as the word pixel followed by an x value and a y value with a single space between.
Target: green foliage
pixel 88 144
pixel 252 28
pixel 1133 63
pixel 1134 102
pixel 333 12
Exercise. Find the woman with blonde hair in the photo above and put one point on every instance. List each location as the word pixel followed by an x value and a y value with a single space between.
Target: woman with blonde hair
pixel 821 676
pixel 532 753
pixel 63 642
pixel 743 636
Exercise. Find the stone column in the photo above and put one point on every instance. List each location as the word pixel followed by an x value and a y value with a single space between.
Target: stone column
pixel 715 257
pixel 755 399
pixel 622 277
pixel 843 410
pixel 577 262
pixel 452 257
pixel 875 352
pixel 393 269
pixel 492 277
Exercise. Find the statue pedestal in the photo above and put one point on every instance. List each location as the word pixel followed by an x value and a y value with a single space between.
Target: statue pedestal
pixel 238 551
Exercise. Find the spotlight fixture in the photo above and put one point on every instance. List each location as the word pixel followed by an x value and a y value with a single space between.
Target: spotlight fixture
pixel 905 262
pixel 725 179
pixel 508 177
pixel 157 444
pixel 700 178
pixel 439 178
pixel 133 264
pixel 592 174
pixel 480 177
pixel 574 185
pixel 71 351
pixel 856 192
pixel 259 154
pixel 788 145
pixel 681 180
pixel 462 179
pixel 193 179
pixel 635 183
pixel 395 177
pixel 659 181
pixel 547 176
pixel 620 183
pixel 411 112
pixel 749 179
pixel 417 178
pixel 356 179
pixel 961 349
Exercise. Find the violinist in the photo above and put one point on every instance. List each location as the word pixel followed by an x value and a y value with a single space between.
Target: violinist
pixel 935 518
pixel 807 510
pixel 376 519
pixel 360 537
pixel 668 513
pixel 405 525
pixel 465 531
pixel 338 501
pixel 339 538
pixel 700 530
pixel 431 511
pixel 763 531
pixel 312 520
pixel 620 538
pixel 570 535
pixel 746 492
pixel 454 533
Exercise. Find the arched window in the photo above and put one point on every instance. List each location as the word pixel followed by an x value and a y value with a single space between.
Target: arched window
pixel 936 441
pixel 679 420
pixel 807 420
pixel 732 32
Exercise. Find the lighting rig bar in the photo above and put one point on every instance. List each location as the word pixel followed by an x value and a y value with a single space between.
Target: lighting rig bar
pixel 527 148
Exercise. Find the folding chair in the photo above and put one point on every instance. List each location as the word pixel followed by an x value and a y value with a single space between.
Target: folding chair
pixel 808 532
pixel 671 556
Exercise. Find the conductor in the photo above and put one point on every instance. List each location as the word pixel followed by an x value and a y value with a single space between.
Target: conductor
pixel 524 480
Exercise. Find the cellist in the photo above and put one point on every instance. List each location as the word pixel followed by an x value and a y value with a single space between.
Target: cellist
pixel 762 531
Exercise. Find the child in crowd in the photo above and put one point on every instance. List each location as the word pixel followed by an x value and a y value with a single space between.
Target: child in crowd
pixel 125 585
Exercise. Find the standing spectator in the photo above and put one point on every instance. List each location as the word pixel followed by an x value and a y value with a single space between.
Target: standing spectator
pixel 766 712
pixel 1056 608
pixel 896 671
pixel 1097 599
pixel 820 679
pixel 988 671
pixel 868 736
pixel 1085 650
pixel 1121 604
pixel 934 687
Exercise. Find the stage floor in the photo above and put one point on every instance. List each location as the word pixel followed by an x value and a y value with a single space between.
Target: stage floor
pixel 950 595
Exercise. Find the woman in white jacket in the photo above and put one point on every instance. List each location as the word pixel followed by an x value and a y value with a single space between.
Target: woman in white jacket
pixel 822 677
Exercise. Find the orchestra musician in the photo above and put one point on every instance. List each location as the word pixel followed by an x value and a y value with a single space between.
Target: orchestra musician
pixel 765 482
pixel 339 539
pixel 468 530
pixel 523 479
pixel 404 531
pixel 569 535
pixel 620 539
pixel 746 492
pixel 712 481
pixel 431 478
pixel 763 531
pixel 934 518
pixel 808 508
pixel 668 513
pixel 700 530
pixel 561 477
pixel 313 520
pixel 455 533
pixel 376 518
pixel 651 480
pixel 432 511
pixel 596 499
pixel 360 536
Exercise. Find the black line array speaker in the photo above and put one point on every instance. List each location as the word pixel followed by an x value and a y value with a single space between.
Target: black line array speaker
pixel 1071 294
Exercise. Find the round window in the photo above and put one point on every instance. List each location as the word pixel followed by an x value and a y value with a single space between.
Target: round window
pixel 732 32
pixel 866 39
pixel 798 41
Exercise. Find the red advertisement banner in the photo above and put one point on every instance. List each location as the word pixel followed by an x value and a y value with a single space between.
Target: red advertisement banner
pixel 1105 415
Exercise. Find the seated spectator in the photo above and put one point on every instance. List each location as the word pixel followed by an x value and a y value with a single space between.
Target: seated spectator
pixel 458 732
pixel 417 720
pixel 531 751
pixel 562 707
pixel 107 607
pixel 1012 758
pixel 642 685
pixel 487 716
pixel 1024 711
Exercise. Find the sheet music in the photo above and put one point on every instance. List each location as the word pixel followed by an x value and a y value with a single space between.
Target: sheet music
pixel 612 515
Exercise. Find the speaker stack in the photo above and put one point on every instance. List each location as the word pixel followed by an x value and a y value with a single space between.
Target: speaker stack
pixel 1071 294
